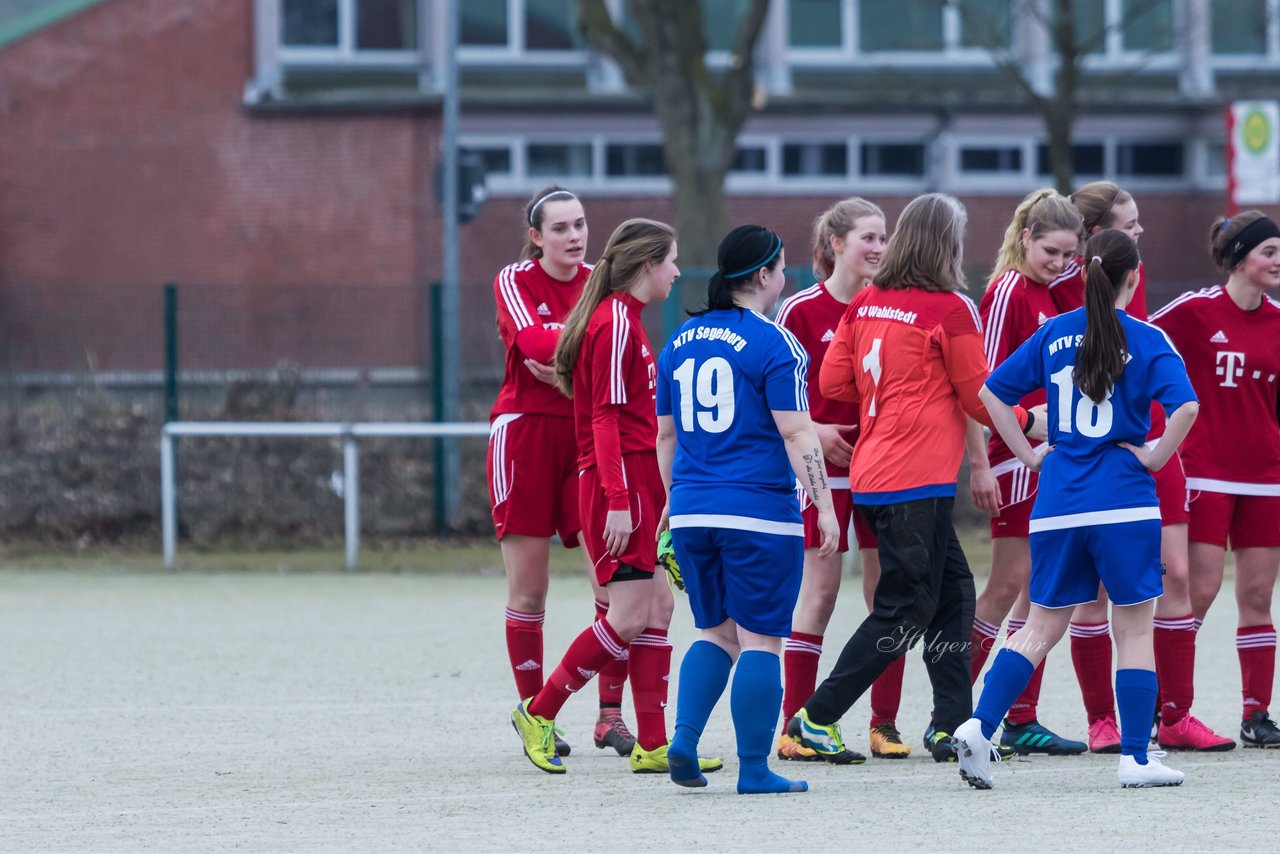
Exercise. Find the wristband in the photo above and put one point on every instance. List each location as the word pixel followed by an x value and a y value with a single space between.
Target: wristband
pixel 1031 420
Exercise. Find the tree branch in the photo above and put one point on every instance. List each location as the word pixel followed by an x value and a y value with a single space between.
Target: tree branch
pixel 603 36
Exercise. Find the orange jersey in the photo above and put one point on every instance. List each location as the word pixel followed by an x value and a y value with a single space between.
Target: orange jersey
pixel 913 361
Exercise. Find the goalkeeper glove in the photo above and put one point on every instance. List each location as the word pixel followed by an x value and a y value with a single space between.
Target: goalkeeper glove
pixel 667 560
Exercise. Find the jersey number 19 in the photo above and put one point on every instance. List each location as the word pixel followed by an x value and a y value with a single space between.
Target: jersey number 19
pixel 713 385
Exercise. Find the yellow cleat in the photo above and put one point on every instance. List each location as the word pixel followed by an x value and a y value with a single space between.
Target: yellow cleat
pixel 793 751
pixel 887 743
pixel 655 761
pixel 538 735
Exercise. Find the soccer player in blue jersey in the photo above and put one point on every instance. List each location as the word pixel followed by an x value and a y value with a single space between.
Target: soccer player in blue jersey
pixel 1096 516
pixel 734 433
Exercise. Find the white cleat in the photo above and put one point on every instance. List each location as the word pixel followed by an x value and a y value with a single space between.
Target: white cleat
pixel 974 752
pixel 1154 773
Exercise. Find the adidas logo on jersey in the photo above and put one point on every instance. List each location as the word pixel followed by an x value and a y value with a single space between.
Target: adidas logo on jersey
pixel 543 311
pixel 1219 337
pixel 529 665
pixel 1040 321
pixel 644 351
pixel 828 336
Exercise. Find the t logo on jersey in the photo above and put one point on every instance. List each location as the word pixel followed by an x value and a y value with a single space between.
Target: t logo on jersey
pixel 1230 368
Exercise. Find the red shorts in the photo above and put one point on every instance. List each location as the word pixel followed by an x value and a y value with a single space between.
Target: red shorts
pixel 533 477
pixel 1171 489
pixel 1243 521
pixel 647 497
pixel 1017 497
pixel 846 514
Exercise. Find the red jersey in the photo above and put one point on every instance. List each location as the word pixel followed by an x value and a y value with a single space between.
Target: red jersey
pixel 1068 290
pixel 812 315
pixel 1233 359
pixel 614 393
pixel 912 361
pixel 532 307
pixel 1068 294
pixel 1012 309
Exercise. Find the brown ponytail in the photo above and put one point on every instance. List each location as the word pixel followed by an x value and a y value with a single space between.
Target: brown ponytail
pixel 1110 256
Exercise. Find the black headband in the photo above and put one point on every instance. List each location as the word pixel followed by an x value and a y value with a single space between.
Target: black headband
pixel 1248 238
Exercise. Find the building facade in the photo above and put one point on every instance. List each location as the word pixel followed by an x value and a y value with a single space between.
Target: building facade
pixel 275 157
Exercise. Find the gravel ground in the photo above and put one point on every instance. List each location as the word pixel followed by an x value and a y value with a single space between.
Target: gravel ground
pixel 369 712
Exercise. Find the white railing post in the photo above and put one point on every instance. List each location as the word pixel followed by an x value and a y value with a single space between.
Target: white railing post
pixel 349 433
pixel 351 497
pixel 168 499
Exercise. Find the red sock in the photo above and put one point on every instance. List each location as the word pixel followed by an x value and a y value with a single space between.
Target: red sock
pixel 650 676
pixel 524 648
pixel 614 674
pixel 1256 646
pixel 800 672
pixel 590 651
pixel 1023 709
pixel 886 693
pixel 1175 644
pixel 981 640
pixel 1091 655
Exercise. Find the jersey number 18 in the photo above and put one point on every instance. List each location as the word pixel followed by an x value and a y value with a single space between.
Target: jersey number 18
pixel 1092 419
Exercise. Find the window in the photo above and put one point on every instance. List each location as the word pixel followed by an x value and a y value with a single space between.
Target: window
pixel 342 24
pixel 750 160
pixel 991 160
pixel 1150 159
pixel 901 25
pixel 814 24
pixel 810 159
pixel 1238 26
pixel 308 23
pixel 985 23
pixel 519 25
pixel 1091 23
pixel 483 22
pixel 554 160
pixel 1087 159
pixel 387 25
pixel 1148 26
pixel 496 159
pixel 892 159
pixel 550 25
pixel 722 17
pixel 628 160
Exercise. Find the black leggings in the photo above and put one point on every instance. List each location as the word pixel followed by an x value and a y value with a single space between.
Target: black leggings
pixel 925 593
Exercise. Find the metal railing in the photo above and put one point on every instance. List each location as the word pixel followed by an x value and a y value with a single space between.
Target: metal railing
pixel 348 432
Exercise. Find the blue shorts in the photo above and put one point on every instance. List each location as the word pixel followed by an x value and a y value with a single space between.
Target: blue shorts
pixel 749 577
pixel 1067 564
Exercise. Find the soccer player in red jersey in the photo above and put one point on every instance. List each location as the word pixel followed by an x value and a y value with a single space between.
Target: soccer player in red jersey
pixel 908 352
pixel 604 360
pixel 848 240
pixel 1104 204
pixel 1038 246
pixel 532 460
pixel 1229 336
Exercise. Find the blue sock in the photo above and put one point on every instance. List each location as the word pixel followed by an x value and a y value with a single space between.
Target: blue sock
pixel 1009 674
pixel 704 672
pixel 756 700
pixel 1136 702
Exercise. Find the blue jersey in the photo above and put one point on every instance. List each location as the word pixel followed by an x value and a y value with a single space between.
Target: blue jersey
pixel 719 377
pixel 1088 472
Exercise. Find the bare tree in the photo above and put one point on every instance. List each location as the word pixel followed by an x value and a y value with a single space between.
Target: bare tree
pixel 701 110
pixel 1059 103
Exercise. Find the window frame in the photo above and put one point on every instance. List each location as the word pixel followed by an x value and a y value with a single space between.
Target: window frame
pixel 345 52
